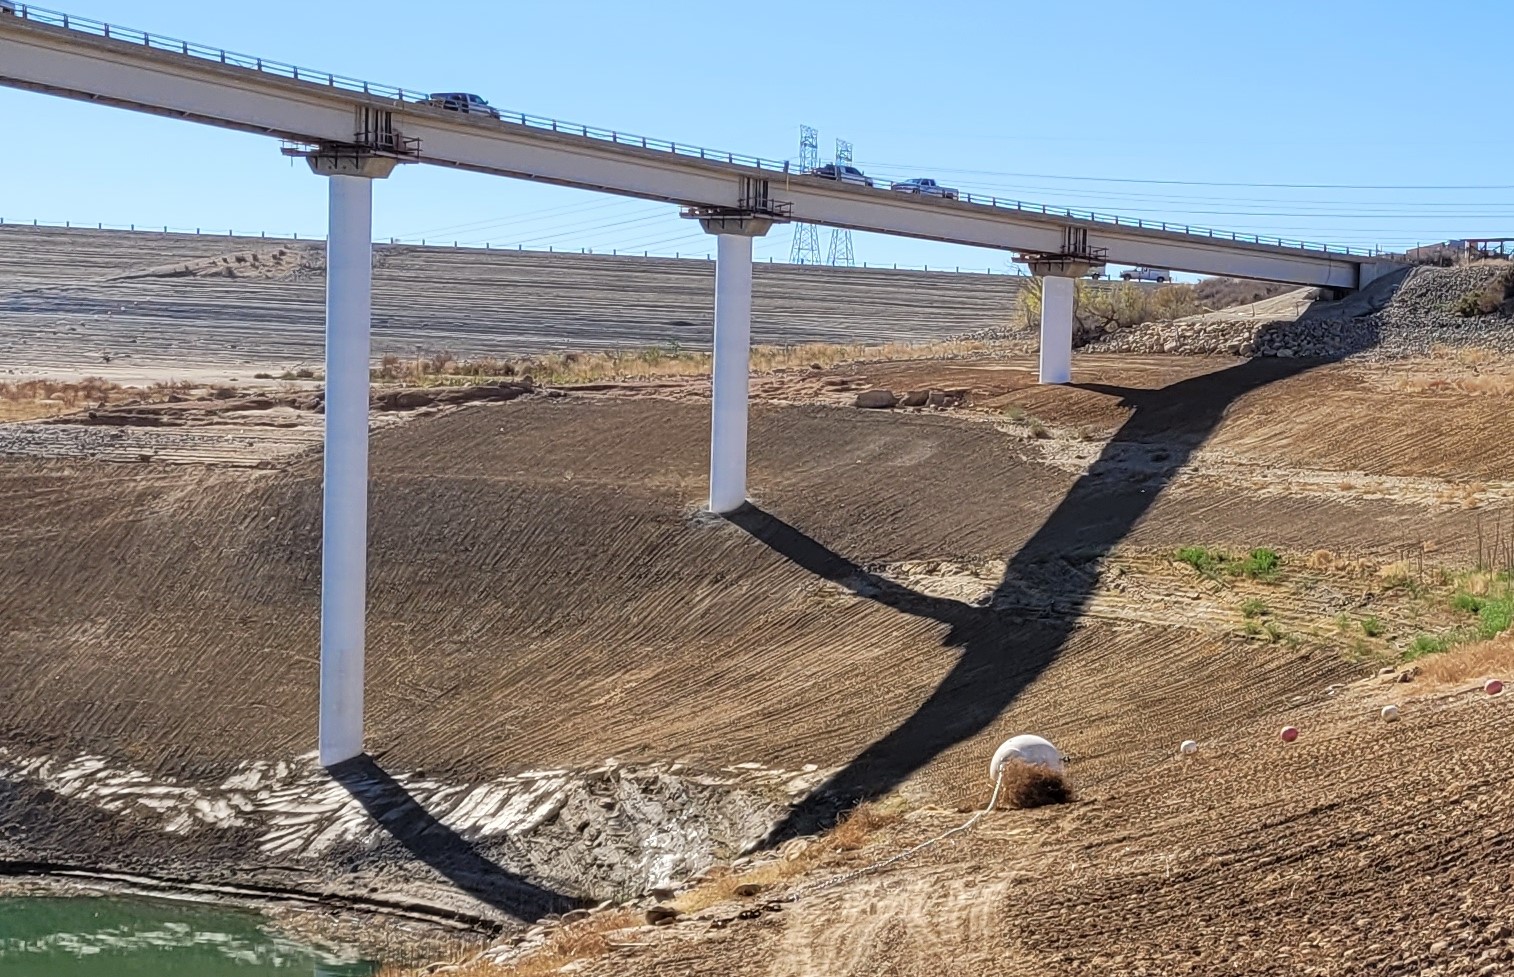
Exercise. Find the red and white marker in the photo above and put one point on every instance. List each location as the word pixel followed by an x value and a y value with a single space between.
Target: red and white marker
pixel 1493 686
pixel 1289 734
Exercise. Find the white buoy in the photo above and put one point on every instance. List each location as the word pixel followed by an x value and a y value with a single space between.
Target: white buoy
pixel 1026 748
pixel 1189 748
pixel 1390 714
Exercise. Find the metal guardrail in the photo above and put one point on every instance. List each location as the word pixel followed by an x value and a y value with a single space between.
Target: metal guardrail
pixel 357 86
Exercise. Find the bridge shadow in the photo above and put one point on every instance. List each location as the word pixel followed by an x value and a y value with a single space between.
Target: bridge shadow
pixel 432 842
pixel 1001 652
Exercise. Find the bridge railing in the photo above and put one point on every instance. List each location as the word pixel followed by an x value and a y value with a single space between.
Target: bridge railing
pixel 162 42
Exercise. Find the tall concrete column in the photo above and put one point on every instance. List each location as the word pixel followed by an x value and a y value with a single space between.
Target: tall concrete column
pixel 344 490
pixel 733 230
pixel 732 368
pixel 1057 296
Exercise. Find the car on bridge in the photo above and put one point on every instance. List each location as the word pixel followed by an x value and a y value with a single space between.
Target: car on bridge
pixel 462 102
pixel 926 187
pixel 842 172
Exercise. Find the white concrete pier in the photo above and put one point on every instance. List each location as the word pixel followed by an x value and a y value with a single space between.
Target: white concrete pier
pixel 1057 297
pixel 344 487
pixel 732 369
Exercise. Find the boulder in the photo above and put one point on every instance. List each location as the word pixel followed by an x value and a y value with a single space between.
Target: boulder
pixel 914 398
pixel 662 915
pixel 877 399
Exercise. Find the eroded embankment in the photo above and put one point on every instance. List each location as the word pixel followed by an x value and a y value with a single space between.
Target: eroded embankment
pixel 512 848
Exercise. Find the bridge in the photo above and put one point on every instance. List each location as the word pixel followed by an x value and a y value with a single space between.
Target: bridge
pixel 355 132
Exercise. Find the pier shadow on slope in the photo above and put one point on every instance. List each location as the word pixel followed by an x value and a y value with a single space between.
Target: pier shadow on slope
pixel 1001 653
pixel 430 841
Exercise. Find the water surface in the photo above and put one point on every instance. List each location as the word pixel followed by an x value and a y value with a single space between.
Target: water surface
pixel 134 937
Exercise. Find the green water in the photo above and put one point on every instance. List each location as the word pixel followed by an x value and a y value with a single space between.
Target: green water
pixel 110 937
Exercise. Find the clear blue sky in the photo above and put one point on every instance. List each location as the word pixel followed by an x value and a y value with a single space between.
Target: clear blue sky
pixel 1048 102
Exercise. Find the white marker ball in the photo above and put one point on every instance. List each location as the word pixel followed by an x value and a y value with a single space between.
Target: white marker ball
pixel 1026 748
pixel 1390 714
pixel 1189 747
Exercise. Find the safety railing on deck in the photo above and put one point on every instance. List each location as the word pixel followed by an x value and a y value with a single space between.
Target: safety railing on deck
pixel 357 86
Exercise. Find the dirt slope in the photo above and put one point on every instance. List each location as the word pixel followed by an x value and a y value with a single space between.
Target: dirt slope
pixel 159 305
pixel 910 589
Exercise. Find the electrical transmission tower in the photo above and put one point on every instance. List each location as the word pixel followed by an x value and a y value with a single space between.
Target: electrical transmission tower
pixel 806 247
pixel 841 241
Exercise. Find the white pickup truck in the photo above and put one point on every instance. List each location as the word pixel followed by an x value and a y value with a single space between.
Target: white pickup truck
pixel 1146 275
pixel 926 188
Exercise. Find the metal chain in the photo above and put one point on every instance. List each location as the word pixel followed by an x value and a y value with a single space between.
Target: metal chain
pixel 908 853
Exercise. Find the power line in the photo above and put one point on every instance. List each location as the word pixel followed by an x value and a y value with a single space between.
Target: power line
pixel 528 217
pixel 592 226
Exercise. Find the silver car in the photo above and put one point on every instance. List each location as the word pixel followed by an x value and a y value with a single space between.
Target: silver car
pixel 462 102
pixel 926 187
pixel 842 172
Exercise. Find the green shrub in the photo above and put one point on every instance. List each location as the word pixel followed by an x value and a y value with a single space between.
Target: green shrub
pixel 1494 615
pixel 1431 644
pixel 1261 563
pixel 1372 627
pixel 1201 558
pixel 1464 601
pixel 1253 607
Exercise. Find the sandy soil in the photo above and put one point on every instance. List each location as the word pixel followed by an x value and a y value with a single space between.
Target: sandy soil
pixel 909 589
pixel 213 309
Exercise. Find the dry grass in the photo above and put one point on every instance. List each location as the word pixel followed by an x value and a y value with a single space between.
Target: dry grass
pixel 1225 293
pixel 1029 785
pixel 1121 304
pixel 652 362
pixel 581 940
pixel 850 834
pixel 590 938
pixel 1494 295
pixel 1327 561
pixel 1481 372
pixel 1478 659
pixel 31 399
